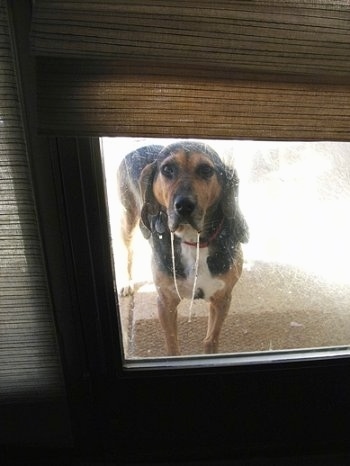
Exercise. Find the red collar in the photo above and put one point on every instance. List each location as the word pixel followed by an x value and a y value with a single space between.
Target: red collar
pixel 205 242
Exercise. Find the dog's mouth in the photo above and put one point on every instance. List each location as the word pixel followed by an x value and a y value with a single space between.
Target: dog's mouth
pixel 184 212
pixel 178 223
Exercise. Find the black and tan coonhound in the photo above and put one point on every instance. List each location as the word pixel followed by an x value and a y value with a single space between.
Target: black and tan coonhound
pixel 186 202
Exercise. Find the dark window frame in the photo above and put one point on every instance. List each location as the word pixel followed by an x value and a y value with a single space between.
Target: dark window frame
pixel 182 414
pixel 193 412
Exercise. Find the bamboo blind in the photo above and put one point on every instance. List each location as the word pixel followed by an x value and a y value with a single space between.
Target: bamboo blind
pixel 29 361
pixel 241 69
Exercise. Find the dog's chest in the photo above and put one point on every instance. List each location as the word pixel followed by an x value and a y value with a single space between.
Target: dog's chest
pixel 207 285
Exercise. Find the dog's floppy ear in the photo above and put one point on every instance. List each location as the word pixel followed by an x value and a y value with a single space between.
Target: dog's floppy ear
pixel 230 206
pixel 151 216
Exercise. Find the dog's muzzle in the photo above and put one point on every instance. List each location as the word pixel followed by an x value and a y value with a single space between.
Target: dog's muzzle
pixel 184 212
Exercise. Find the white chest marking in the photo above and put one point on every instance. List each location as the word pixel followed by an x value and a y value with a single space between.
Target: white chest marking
pixel 205 281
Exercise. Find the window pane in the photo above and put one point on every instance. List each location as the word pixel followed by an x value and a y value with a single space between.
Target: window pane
pixel 293 292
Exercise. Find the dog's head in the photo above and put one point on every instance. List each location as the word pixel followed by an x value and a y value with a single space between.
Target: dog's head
pixel 184 186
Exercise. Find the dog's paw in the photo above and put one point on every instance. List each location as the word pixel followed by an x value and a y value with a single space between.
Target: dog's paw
pixel 127 289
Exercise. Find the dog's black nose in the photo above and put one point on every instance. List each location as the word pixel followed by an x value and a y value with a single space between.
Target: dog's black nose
pixel 184 205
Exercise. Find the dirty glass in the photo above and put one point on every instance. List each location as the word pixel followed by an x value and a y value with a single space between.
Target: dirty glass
pixel 294 290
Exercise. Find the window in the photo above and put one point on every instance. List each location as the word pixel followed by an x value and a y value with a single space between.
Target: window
pixel 293 295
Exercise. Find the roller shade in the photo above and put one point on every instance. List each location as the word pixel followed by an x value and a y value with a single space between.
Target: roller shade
pixel 262 70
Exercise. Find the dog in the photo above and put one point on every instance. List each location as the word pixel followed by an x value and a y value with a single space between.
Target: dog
pixel 185 200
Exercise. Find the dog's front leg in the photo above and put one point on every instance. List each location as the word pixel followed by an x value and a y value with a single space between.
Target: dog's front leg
pixel 219 307
pixel 220 303
pixel 167 311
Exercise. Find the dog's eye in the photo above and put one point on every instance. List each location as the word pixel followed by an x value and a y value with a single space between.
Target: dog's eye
pixel 205 171
pixel 168 170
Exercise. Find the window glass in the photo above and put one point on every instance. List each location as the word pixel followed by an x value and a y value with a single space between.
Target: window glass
pixel 293 291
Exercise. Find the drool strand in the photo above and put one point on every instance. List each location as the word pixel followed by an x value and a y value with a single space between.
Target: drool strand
pixel 173 261
pixel 196 265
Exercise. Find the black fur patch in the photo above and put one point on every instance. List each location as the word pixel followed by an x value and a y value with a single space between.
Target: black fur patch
pixel 222 250
pixel 199 294
pixel 137 160
pixel 161 246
